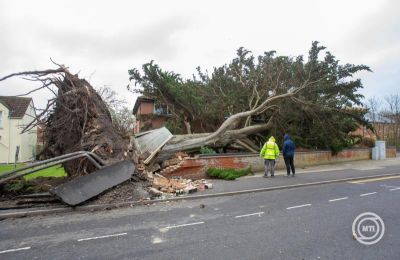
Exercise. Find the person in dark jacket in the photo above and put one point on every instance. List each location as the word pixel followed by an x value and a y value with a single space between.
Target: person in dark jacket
pixel 288 154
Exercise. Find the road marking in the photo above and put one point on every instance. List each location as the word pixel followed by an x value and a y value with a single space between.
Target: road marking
pixel 248 215
pixel 15 250
pixel 398 188
pixel 156 240
pixel 389 186
pixel 367 194
pixel 92 238
pixel 294 207
pixel 184 225
pixel 344 198
pixel 374 179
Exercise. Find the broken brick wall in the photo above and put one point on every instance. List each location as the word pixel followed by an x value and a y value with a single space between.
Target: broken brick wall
pixel 195 168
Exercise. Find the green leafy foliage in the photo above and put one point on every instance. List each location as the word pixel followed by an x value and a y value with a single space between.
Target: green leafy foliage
pixel 206 150
pixel 318 117
pixel 228 174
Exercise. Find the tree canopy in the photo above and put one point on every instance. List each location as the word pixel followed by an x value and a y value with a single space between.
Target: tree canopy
pixel 315 100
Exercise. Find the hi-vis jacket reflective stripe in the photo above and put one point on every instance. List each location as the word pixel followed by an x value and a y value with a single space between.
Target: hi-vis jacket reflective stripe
pixel 270 151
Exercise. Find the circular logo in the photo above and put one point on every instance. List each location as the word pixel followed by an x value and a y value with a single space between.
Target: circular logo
pixel 368 228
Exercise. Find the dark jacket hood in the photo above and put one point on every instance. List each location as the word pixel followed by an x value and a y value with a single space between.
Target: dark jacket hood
pixel 286 137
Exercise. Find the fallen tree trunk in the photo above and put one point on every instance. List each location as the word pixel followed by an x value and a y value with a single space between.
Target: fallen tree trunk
pixel 190 143
pixel 226 133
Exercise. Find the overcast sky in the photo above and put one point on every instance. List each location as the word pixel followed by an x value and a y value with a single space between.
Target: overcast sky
pixel 103 39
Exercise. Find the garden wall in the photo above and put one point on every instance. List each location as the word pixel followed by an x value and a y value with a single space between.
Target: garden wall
pixel 195 168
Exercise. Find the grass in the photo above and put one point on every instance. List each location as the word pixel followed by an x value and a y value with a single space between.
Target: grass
pixel 54 171
pixel 228 174
pixel 8 167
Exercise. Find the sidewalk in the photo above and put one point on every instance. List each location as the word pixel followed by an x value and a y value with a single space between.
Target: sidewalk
pixel 313 174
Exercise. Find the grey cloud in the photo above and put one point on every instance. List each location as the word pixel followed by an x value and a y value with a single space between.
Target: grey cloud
pixel 383 81
pixel 379 31
pixel 153 39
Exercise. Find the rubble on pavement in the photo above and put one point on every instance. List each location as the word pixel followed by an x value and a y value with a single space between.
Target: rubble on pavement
pixel 162 187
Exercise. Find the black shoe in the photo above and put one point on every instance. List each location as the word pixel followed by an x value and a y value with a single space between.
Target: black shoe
pixel 265 176
pixel 272 176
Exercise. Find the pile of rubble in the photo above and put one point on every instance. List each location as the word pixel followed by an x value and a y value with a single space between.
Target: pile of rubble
pixel 162 187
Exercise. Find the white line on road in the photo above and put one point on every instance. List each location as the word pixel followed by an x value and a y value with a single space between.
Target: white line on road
pixel 389 186
pixel 398 188
pixel 367 194
pixel 344 198
pixel 184 225
pixel 294 207
pixel 252 214
pixel 92 238
pixel 14 250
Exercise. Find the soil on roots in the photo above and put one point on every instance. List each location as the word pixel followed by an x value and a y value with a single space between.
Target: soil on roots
pixel 80 120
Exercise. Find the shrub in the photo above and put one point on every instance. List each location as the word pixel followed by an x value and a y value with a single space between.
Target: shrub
pixel 206 150
pixel 336 146
pixel 228 174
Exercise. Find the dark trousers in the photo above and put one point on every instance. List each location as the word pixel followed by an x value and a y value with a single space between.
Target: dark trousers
pixel 289 164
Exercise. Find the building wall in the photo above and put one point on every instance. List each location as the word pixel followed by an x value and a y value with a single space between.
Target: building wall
pixel 11 137
pixel 136 128
pixel 15 139
pixel 157 122
pixel 145 108
pixel 384 131
pixel 195 168
pixel 4 135
pixel 28 140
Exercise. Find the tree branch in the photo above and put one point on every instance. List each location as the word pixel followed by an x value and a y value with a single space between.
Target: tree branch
pixel 34 72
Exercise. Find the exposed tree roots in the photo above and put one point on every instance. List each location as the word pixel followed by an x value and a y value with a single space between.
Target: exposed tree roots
pixel 75 119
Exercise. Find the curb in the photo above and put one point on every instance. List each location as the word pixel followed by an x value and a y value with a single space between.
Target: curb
pixel 98 207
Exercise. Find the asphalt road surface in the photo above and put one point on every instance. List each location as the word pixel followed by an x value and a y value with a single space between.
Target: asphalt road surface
pixel 301 223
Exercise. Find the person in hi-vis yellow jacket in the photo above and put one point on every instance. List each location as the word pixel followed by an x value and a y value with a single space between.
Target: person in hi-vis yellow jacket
pixel 269 152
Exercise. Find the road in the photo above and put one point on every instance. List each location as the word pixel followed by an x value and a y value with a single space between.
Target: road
pixel 302 223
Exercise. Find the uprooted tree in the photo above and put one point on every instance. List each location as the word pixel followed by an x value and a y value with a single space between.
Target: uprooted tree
pixel 315 100
pixel 75 119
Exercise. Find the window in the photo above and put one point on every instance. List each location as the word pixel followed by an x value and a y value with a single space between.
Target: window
pixel 160 109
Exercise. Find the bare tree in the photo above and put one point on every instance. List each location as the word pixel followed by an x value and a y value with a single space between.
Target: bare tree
pixel 392 114
pixel 374 105
pixel 121 115
pixel 110 97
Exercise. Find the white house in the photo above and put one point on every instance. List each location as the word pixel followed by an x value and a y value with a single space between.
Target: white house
pixel 15 114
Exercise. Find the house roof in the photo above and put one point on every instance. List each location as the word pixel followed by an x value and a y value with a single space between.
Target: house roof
pixel 16 105
pixel 140 100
